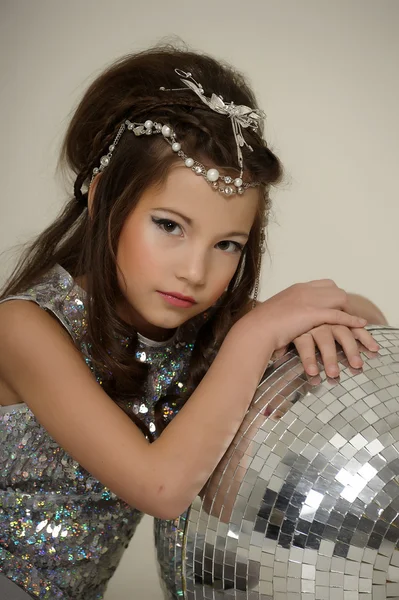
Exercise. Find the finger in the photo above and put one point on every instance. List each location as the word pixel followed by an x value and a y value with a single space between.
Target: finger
pixel 339 317
pixel 354 371
pixel 345 337
pixel 279 353
pixel 366 339
pixel 307 353
pixel 325 341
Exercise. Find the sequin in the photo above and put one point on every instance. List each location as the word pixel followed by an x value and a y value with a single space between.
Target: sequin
pixel 62 533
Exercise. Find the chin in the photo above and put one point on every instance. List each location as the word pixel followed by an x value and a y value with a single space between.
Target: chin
pixel 170 321
pixel 163 320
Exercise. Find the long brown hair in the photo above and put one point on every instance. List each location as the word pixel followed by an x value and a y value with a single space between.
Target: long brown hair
pixel 130 89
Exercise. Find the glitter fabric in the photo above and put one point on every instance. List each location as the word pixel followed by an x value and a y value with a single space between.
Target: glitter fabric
pixel 305 505
pixel 62 533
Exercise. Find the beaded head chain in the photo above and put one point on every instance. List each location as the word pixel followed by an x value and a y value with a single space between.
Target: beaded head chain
pixel 241 117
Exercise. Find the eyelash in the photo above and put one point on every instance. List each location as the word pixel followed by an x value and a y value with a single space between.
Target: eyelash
pixel 160 223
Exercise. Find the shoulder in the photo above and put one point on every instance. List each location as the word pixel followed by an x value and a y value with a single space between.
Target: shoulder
pixel 15 314
pixel 28 332
pixel 26 317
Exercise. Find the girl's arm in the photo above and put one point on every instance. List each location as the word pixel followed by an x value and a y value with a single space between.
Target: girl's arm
pixel 45 370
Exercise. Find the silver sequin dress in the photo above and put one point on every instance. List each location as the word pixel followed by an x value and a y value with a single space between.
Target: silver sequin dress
pixel 62 532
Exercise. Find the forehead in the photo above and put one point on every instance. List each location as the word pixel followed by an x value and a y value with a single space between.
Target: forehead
pixel 195 198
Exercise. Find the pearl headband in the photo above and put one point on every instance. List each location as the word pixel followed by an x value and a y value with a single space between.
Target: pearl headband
pixel 241 116
pixel 222 183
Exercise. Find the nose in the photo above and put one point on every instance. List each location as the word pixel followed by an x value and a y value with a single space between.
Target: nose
pixel 193 266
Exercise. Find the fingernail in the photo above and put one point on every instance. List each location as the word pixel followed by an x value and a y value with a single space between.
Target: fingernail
pixel 363 321
pixel 333 372
pixel 357 362
pixel 312 370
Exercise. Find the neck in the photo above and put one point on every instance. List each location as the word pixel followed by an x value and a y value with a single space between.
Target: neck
pixel 134 320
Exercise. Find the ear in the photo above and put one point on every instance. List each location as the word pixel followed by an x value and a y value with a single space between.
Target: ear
pixel 91 193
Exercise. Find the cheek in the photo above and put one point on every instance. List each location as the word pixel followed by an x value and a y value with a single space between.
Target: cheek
pixel 221 279
pixel 137 251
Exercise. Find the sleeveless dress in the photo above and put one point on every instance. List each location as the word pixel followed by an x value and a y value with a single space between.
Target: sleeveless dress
pixel 62 532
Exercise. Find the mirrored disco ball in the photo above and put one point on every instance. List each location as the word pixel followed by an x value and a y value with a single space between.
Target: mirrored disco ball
pixel 305 503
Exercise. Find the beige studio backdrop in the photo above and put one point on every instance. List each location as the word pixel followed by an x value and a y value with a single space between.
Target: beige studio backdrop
pixel 326 74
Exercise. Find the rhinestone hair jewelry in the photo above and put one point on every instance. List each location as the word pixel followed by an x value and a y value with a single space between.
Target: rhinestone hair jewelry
pixel 240 115
pixel 223 183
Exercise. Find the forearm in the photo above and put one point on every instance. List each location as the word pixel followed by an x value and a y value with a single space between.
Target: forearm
pixel 195 441
pixel 362 307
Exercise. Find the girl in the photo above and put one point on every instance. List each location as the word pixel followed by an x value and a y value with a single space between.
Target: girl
pixel 137 309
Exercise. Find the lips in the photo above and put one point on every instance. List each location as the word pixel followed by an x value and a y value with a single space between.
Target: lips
pixel 177 300
pixel 179 296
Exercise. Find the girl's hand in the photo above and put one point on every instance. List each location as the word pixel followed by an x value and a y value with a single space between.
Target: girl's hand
pixel 324 338
pixel 299 309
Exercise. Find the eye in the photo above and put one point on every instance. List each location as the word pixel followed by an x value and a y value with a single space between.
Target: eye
pixel 166 225
pixel 236 246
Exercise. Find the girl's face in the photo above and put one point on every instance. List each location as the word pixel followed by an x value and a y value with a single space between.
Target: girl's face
pixel 183 239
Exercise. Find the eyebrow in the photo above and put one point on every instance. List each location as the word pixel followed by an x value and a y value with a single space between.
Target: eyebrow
pixel 190 221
